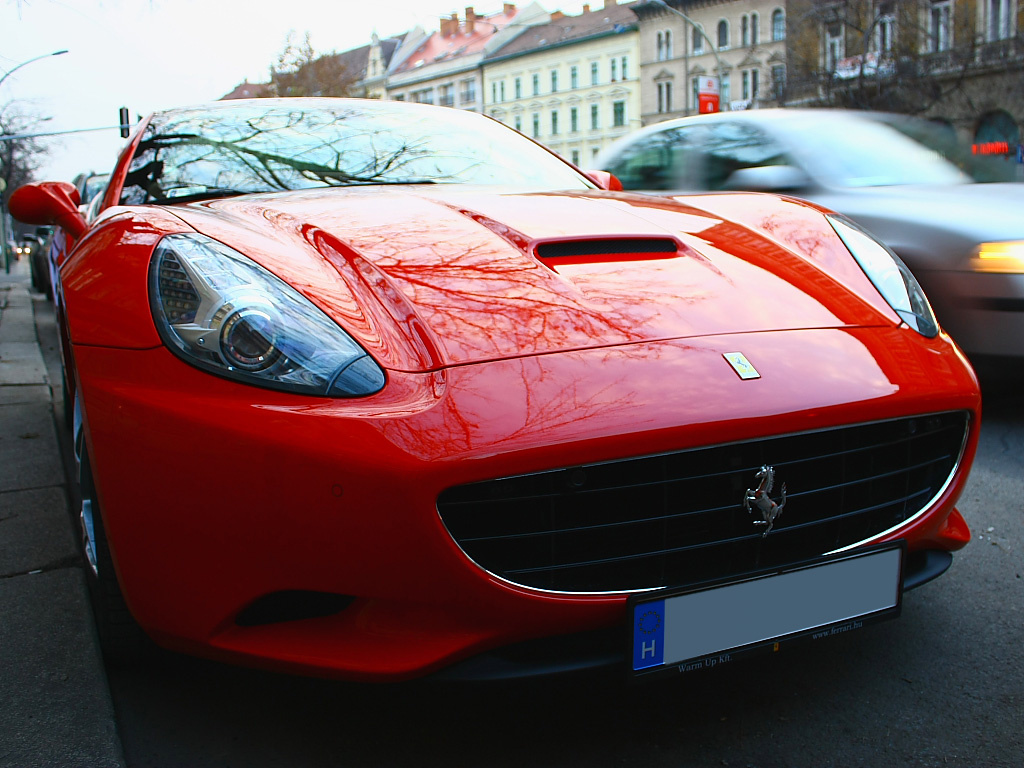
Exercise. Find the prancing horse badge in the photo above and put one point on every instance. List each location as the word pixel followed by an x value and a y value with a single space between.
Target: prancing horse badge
pixel 741 365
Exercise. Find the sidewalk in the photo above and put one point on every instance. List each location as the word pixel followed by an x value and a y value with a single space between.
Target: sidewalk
pixel 55 707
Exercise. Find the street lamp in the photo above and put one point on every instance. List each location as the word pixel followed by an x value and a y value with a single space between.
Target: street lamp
pixel 37 58
pixel 3 208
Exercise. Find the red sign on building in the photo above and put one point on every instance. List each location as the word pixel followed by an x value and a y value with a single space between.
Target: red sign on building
pixel 707 94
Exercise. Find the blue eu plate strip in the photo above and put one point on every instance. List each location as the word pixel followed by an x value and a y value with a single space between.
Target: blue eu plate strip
pixel 649 634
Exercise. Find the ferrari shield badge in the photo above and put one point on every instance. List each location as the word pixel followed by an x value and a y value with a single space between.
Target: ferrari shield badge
pixel 758 499
pixel 741 365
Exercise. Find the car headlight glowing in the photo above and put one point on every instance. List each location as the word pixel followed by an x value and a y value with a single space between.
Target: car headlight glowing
pixel 1003 258
pixel 889 275
pixel 222 312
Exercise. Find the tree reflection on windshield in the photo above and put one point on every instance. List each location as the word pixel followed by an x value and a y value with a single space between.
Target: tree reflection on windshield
pixel 249 147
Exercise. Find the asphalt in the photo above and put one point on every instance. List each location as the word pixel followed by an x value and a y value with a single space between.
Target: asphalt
pixel 55 704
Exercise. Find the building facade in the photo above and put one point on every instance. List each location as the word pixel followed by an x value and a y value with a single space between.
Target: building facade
pixel 959 63
pixel 741 42
pixel 572 84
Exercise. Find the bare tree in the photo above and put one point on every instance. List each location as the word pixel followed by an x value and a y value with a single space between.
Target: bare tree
pixel 905 56
pixel 300 71
pixel 20 157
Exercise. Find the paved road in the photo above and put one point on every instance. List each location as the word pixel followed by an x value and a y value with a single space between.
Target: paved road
pixel 942 686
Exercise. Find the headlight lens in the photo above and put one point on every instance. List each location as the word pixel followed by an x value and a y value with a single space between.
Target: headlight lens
pixel 890 276
pixel 220 311
pixel 1003 258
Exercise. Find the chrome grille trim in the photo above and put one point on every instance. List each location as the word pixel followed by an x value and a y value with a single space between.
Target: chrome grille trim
pixel 477 523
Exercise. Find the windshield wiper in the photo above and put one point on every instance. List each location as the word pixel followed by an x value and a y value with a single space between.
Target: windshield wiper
pixel 210 193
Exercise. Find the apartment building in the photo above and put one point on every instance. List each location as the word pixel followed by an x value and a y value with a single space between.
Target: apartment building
pixel 572 83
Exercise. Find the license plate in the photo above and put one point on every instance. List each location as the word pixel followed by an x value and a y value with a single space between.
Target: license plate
pixel 697 628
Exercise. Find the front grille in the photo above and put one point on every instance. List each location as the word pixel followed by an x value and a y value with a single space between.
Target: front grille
pixel 678 518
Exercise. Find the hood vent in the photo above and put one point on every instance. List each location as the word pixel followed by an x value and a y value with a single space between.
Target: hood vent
pixel 609 249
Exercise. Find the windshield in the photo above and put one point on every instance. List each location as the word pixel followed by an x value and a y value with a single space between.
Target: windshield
pixel 266 146
pixel 855 152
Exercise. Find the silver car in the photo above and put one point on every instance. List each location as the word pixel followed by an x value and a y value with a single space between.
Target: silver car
pixel 964 240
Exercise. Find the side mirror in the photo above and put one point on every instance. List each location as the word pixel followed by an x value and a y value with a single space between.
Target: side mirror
pixel 605 180
pixel 49 203
pixel 767 178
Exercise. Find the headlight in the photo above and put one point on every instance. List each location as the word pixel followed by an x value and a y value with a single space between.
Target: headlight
pixel 220 311
pixel 1005 258
pixel 890 276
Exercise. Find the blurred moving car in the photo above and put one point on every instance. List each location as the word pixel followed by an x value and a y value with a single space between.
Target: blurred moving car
pixel 963 240
pixel 378 390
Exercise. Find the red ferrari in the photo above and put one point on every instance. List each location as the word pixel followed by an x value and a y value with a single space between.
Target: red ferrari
pixel 379 390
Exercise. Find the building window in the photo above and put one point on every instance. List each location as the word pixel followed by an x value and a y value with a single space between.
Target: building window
pixel 536 125
pixel 494 92
pixel 446 95
pixel 595 121
pixel 723 35
pixel 425 96
pixel 724 94
pixel 554 123
pixel 625 59
pixel 574 119
pixel 594 80
pixel 615 70
pixel 940 36
pixel 574 78
pixel 665 96
pixel 468 91
pixel 576 157
pixel 618 113
pixel 501 90
pixel 519 87
pixel 745 31
pixel 664 44
pixel 519 123
pixel 779 83
pixel 698 40
pixel 755 86
pixel 835 46
pixel 594 153
pixel 885 27
pixel 778 25
pixel 746 85
pixel 998 19
pixel 536 85
pixel 554 81
pixel 755 26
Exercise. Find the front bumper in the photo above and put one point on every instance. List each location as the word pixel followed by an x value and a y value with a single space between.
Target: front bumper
pixel 246 493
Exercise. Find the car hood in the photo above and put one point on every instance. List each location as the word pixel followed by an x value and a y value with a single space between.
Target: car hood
pixel 438 276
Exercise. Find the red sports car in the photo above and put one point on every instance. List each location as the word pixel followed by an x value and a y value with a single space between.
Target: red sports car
pixel 379 390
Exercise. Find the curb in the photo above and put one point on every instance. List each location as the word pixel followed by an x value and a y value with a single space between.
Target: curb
pixel 57 709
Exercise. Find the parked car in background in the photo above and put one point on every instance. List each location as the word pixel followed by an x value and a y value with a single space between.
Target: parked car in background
pixel 379 390
pixel 34 248
pixel 963 240
pixel 90 185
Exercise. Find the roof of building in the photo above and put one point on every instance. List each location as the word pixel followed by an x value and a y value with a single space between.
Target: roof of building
pixel 356 60
pixel 247 90
pixel 570 29
pixel 455 39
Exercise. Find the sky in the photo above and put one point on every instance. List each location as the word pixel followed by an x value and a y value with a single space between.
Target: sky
pixel 154 54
